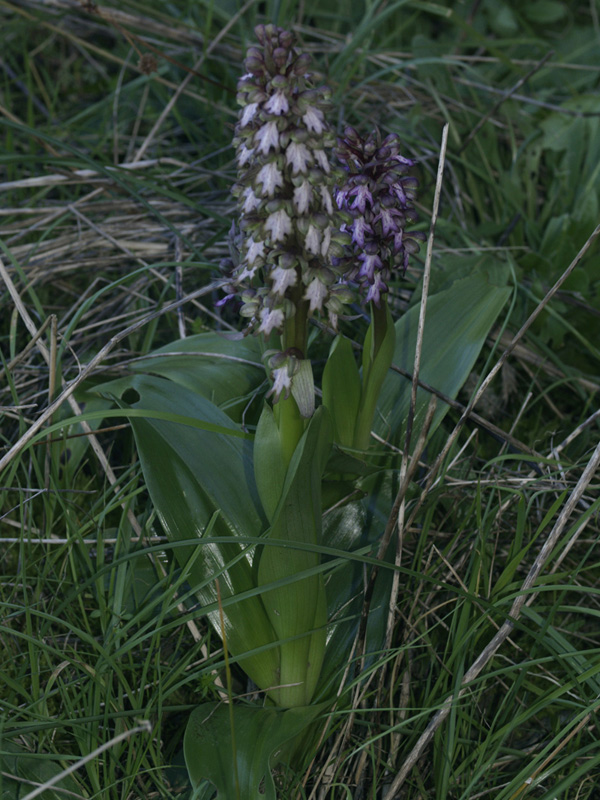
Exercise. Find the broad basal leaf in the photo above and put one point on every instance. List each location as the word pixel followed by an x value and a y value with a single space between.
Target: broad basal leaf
pixel 240 765
pixel 341 370
pixel 458 320
pixel 195 476
pixel 224 369
pixel 298 607
pixel 30 770
pixel 457 323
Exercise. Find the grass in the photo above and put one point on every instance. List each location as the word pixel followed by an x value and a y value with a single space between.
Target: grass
pixel 115 208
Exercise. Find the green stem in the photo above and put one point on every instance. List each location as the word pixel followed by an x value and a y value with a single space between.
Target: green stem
pixel 379 316
pixel 377 358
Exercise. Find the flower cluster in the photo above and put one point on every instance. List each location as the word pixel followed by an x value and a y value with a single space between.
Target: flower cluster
pixel 377 201
pixel 285 183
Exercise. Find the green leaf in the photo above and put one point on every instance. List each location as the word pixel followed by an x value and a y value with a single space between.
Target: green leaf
pixel 349 528
pixel 34 769
pixel 341 390
pixel 341 461
pixel 217 366
pixel 269 463
pixel 544 11
pixel 197 477
pixel 458 320
pixel 298 609
pixel 240 766
pixel 457 323
pixel 501 18
pixel 70 452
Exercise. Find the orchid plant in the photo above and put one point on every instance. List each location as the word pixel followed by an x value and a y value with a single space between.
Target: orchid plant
pixel 313 239
pixel 261 522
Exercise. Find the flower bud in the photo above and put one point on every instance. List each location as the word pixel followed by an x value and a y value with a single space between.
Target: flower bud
pixel 301 64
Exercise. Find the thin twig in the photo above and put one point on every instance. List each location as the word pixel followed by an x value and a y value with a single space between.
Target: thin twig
pixel 398 510
pixel 85 175
pixel 549 758
pixel 407 472
pixel 425 290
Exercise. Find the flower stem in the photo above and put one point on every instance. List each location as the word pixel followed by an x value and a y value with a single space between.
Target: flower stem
pixel 295 331
pixel 378 352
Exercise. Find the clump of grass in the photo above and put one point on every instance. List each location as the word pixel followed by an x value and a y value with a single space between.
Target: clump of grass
pixel 114 218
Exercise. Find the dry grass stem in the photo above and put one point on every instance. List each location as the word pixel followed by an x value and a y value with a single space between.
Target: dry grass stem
pixel 525 597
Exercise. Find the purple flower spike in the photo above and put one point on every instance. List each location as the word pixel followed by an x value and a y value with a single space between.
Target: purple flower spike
pixel 377 195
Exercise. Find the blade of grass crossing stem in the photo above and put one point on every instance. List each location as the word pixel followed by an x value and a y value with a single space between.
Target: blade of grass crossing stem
pixel 236 777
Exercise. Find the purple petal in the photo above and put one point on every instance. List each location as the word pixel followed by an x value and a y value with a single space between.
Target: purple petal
pixel 376 289
pixel 371 262
pixel 362 196
pixel 359 227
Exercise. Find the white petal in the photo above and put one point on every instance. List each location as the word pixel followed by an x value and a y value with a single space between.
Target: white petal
pixel 254 250
pixel 326 241
pixel 282 381
pixel 270 320
pixel 248 114
pixel 316 293
pixel 312 241
pixel 279 224
pixel 244 155
pixel 322 160
pixel 251 200
pixel 277 104
pixel 298 155
pixel 313 119
pixel 267 137
pixel 302 197
pixel 270 177
pixel 326 198
pixel 282 279
pixel 246 273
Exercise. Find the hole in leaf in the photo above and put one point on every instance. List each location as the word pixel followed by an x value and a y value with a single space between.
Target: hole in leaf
pixel 130 396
